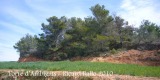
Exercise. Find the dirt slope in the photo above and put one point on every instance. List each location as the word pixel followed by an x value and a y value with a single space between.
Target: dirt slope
pixel 29 59
pixel 151 58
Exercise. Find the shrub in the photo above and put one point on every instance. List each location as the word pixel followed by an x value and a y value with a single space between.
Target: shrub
pixel 113 51
pixel 62 55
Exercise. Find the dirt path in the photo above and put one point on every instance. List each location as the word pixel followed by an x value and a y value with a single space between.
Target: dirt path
pixel 65 75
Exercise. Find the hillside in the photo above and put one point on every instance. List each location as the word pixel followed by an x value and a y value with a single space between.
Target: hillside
pixel 151 58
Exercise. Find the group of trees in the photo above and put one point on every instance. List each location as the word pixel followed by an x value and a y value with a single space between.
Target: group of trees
pixel 64 38
pixel 26 45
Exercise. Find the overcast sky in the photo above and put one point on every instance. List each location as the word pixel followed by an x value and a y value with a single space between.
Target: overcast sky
pixel 19 17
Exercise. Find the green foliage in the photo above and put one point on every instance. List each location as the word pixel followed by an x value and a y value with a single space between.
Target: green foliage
pixel 50 40
pixel 100 43
pixel 64 38
pixel 101 18
pixel 148 32
pixel 27 45
pixel 113 51
pixel 62 56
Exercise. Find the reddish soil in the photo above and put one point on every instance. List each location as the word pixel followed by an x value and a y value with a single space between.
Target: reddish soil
pixel 29 59
pixel 151 58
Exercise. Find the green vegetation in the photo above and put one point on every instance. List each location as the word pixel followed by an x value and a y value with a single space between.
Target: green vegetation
pixel 64 38
pixel 26 45
pixel 113 51
pixel 128 69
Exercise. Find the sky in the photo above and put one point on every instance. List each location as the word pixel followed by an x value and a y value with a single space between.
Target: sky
pixel 19 17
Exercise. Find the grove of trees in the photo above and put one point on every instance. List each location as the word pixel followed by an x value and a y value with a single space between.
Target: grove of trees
pixel 65 38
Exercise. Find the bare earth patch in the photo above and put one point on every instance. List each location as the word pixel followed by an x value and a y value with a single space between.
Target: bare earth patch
pixel 65 75
pixel 151 58
pixel 30 59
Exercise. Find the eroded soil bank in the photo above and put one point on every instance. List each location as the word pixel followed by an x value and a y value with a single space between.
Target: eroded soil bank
pixel 146 57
